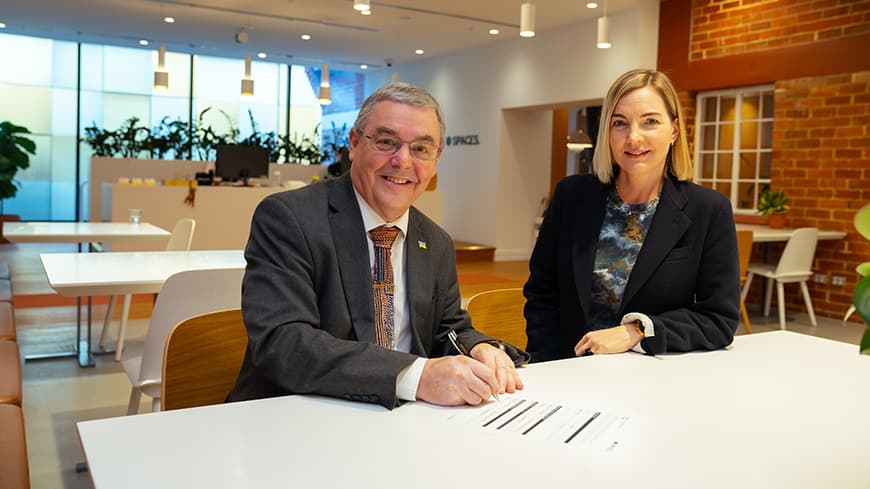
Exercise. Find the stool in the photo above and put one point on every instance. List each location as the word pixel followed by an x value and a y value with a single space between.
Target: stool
pixel 7 322
pixel 10 373
pixel 14 471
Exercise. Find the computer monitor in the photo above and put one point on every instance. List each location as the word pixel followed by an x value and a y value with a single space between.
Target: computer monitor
pixel 236 162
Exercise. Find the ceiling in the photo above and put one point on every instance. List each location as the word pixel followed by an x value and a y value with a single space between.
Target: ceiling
pixel 339 34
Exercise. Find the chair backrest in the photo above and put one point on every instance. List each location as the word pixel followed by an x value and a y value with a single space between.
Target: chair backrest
pixel 183 295
pixel 499 313
pixel 797 257
pixel 202 359
pixel 182 235
pixel 744 246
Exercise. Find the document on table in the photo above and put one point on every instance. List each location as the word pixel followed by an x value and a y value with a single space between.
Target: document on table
pixel 551 422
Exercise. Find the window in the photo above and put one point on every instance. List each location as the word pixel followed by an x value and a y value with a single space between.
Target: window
pixel 733 143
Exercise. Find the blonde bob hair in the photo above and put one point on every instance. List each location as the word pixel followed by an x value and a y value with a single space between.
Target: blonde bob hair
pixel 678 163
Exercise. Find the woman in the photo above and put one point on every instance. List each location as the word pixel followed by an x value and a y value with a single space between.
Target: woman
pixel 634 256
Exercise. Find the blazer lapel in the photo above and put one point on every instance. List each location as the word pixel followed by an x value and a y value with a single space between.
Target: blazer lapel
pixel 668 226
pixel 419 273
pixel 349 240
pixel 586 218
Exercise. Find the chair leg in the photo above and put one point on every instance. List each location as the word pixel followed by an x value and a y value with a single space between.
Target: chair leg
pixel 849 313
pixel 122 330
pixel 806 293
pixel 768 294
pixel 107 321
pixel 780 302
pixel 133 405
pixel 745 316
pixel 746 285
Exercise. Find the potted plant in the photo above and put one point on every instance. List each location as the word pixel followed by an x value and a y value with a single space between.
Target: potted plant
pixel 14 150
pixel 774 205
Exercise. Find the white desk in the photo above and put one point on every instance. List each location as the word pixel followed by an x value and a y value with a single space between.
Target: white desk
pixel 84 232
pixel 89 274
pixel 777 410
pixel 766 234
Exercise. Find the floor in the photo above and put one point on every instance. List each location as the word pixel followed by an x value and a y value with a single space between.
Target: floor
pixel 57 393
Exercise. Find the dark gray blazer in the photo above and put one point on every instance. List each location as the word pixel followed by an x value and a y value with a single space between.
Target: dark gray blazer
pixel 307 305
pixel 686 278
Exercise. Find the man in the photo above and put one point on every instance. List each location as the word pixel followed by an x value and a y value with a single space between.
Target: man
pixel 326 314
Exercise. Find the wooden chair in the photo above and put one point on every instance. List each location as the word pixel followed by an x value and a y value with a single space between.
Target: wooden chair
pixel 499 313
pixel 183 295
pixel 179 240
pixel 744 245
pixel 202 359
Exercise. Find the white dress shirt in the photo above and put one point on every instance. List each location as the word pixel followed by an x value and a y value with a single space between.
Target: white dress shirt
pixel 409 378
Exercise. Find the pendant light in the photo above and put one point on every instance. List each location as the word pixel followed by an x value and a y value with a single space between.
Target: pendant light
pixel 395 76
pixel 161 76
pixel 527 20
pixel 324 95
pixel 362 5
pixel 603 30
pixel 247 81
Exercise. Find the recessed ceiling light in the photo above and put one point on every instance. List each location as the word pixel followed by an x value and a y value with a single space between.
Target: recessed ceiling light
pixel 361 5
pixel 363 67
pixel 366 12
pixel 261 55
pixel 419 51
pixel 2 25
pixel 169 20
pixel 591 4
pixel 494 32
pixel 143 42
pixel 305 37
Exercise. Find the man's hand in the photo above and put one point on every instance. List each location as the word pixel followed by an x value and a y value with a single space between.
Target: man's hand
pixel 456 380
pixel 500 362
pixel 617 339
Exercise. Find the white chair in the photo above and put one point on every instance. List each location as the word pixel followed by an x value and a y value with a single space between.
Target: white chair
pixel 795 265
pixel 183 295
pixel 179 240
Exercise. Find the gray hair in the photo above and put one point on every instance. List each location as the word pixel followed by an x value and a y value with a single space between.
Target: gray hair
pixel 402 93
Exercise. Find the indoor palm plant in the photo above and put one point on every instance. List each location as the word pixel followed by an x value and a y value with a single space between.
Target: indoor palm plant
pixel 774 205
pixel 14 150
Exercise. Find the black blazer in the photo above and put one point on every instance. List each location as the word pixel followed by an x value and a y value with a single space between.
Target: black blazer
pixel 686 278
pixel 307 304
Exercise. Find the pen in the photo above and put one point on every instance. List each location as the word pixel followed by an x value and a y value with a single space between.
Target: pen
pixel 454 340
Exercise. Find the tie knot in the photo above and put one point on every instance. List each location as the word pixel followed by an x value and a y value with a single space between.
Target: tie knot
pixel 383 236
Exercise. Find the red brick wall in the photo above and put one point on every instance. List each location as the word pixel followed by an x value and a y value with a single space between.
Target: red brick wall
pixel 815 53
pixel 725 28
pixel 821 159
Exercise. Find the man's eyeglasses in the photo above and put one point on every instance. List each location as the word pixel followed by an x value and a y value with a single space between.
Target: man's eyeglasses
pixel 389 144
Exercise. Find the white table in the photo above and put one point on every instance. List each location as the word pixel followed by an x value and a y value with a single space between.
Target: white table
pixel 84 232
pixel 89 274
pixel 766 234
pixel 776 410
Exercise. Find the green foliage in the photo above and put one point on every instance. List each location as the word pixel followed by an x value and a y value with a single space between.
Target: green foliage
pixel 179 140
pixel 861 299
pixel 14 150
pixel 772 202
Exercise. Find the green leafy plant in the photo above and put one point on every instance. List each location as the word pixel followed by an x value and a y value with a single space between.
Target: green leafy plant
pixel 207 139
pixel 170 138
pixel 772 202
pixel 861 299
pixel 14 155
pixel 267 140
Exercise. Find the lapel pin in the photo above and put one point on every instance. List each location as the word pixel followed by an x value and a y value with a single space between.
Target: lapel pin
pixel 421 245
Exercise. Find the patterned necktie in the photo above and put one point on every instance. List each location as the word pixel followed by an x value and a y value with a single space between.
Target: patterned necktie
pixel 382 284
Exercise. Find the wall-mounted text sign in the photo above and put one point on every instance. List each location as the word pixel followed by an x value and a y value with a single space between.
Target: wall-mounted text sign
pixel 470 139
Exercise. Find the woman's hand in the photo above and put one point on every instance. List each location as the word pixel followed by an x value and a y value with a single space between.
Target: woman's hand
pixel 617 339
